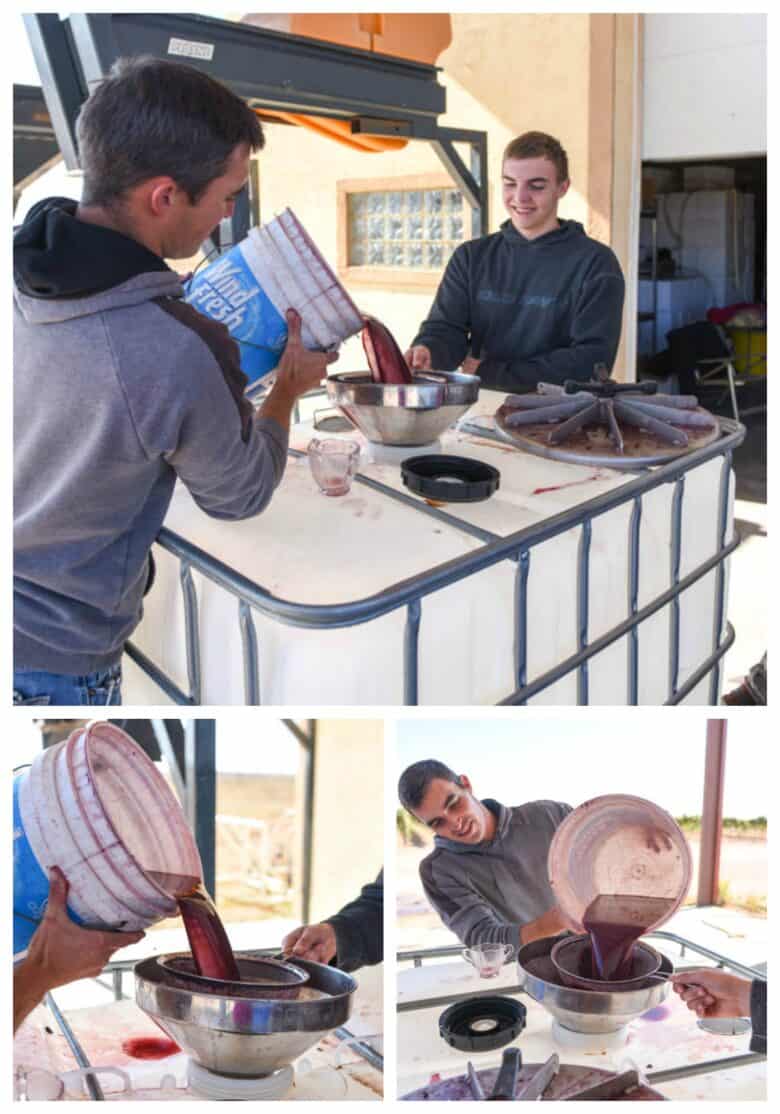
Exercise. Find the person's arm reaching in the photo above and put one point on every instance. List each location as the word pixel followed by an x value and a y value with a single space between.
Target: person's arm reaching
pixel 352 937
pixel 715 993
pixel 316 942
pixel 550 923
pixel 196 417
pixel 473 920
pixel 594 338
pixel 232 467
pixel 61 952
pixel 358 927
pixel 298 371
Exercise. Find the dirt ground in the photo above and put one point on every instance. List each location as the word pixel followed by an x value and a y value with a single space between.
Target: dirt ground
pixel 743 872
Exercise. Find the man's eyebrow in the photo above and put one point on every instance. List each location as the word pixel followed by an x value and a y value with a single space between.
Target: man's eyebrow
pixel 435 819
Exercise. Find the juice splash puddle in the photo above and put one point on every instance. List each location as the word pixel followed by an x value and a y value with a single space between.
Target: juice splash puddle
pixel 150 1048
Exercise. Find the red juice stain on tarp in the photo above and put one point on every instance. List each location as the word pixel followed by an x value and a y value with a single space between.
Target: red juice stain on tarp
pixel 209 944
pixel 150 1048
pixel 571 483
pixel 615 922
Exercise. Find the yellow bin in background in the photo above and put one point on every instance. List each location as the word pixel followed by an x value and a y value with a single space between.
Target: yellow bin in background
pixel 749 349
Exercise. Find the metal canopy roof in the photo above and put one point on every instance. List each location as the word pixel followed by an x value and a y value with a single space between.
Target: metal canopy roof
pixel 379 94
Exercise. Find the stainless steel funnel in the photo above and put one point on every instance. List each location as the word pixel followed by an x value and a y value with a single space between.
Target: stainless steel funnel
pixel 236 1032
pixel 403 414
pixel 586 1011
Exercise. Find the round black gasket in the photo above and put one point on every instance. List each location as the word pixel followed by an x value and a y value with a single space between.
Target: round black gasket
pixel 450 479
pixel 482 1024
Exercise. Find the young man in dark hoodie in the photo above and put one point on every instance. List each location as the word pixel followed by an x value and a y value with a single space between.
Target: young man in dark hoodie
pixel 121 387
pixel 487 874
pixel 537 301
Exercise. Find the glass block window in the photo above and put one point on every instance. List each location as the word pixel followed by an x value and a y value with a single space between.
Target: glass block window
pixel 416 229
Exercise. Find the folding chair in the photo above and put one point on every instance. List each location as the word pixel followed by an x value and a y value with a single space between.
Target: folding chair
pixel 703 354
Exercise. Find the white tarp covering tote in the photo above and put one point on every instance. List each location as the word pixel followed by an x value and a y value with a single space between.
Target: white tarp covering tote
pixel 308 548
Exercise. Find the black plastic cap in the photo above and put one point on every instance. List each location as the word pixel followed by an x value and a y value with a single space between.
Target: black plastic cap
pixel 450 479
pixel 459 1024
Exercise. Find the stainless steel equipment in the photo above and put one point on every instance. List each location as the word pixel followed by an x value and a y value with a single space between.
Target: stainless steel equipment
pixel 277 977
pixel 572 955
pixel 586 1011
pixel 403 414
pixel 235 1031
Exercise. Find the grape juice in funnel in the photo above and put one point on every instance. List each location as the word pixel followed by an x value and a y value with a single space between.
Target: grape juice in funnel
pixel 614 923
pixel 211 951
pixel 619 867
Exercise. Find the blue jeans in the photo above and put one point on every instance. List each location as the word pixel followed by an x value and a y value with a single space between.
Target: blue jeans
pixel 34 687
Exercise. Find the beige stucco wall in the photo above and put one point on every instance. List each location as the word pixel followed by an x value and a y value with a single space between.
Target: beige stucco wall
pixel 504 74
pixel 348 844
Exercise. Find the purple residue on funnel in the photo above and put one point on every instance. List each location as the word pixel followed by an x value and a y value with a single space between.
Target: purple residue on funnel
pixel 658 1013
pixel 242 1013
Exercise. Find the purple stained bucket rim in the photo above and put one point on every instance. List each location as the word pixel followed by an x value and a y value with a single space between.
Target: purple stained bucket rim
pixel 93 732
pixel 322 262
pixel 573 906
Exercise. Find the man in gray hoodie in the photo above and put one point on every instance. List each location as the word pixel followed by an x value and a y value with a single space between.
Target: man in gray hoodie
pixel 536 301
pixel 121 387
pixel 487 875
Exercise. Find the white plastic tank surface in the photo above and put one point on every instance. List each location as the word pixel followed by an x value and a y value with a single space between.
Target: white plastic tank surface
pixel 96 807
pixel 311 549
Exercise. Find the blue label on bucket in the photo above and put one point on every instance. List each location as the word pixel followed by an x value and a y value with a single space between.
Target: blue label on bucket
pixel 228 291
pixel 31 884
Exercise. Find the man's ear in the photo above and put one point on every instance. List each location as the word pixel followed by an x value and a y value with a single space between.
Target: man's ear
pixel 563 188
pixel 161 195
pixel 464 782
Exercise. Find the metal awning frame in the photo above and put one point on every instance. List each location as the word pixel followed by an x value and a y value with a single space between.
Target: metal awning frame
pixel 378 94
pixel 193 772
pixel 306 737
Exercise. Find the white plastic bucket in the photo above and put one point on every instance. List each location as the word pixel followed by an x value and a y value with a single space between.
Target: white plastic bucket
pixel 250 288
pixel 97 807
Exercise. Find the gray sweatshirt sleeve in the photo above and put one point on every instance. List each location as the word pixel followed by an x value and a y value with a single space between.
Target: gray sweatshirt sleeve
pixel 594 335
pixel 463 910
pixel 228 477
pixel 198 419
pixel 447 328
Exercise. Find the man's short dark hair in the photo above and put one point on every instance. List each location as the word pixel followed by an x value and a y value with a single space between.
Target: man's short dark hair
pixel 537 145
pixel 151 117
pixel 414 781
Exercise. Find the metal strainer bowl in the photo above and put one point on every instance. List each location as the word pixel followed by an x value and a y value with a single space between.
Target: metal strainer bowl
pixel 403 413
